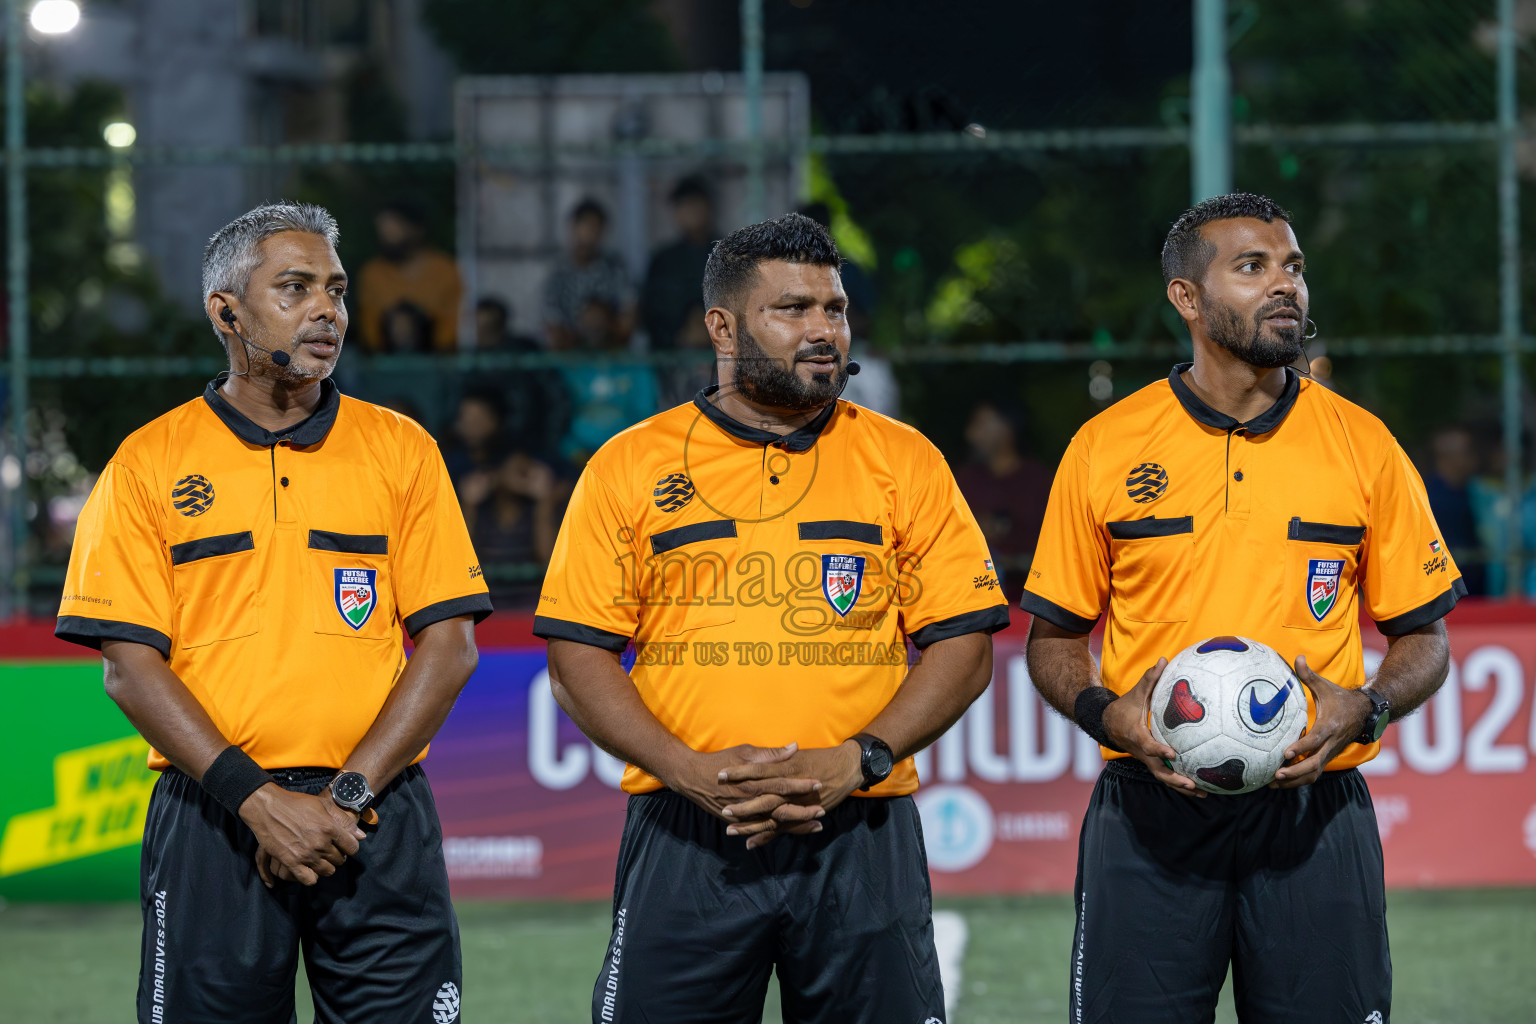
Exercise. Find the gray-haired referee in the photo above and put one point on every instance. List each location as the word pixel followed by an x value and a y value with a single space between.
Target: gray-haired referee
pixel 246 564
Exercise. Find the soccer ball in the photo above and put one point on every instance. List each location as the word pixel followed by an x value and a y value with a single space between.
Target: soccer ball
pixel 1229 706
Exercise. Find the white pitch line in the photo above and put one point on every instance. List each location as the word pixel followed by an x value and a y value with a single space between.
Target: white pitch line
pixel 950 933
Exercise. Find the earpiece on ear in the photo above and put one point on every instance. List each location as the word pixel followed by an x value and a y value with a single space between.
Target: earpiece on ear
pixel 227 315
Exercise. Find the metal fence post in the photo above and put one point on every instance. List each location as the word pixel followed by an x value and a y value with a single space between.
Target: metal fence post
pixel 1509 294
pixel 1210 104
pixel 16 288
pixel 752 85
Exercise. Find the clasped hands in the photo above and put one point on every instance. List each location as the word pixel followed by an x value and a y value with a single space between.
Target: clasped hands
pixel 766 792
pixel 301 838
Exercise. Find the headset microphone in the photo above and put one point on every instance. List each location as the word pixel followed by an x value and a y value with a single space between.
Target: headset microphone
pixel 853 367
pixel 279 358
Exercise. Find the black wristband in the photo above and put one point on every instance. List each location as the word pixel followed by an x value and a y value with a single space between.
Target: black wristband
pixel 233 777
pixel 1088 712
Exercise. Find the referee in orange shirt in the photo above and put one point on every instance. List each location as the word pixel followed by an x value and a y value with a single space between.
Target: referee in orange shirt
pixel 769 550
pixel 245 564
pixel 1236 498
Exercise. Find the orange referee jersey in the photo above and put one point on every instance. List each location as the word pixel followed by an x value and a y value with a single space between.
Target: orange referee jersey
pixel 274 571
pixel 1186 524
pixel 769 584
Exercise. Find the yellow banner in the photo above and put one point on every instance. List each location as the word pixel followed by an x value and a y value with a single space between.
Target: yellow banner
pixel 101 795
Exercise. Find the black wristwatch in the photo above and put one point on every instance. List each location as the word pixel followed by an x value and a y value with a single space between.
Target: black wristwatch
pixel 875 760
pixel 1376 721
pixel 350 790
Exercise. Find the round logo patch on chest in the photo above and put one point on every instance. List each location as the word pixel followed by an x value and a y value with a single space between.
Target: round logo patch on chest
pixel 673 492
pixel 192 495
pixel 1146 483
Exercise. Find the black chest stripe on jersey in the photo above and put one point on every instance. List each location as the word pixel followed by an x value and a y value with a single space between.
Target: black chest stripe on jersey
pixel 209 547
pixel 1325 533
pixel 349 543
pixel 1137 529
pixel 842 529
pixel 717 529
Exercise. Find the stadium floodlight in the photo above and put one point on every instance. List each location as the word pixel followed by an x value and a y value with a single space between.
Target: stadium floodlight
pixel 55 17
pixel 119 134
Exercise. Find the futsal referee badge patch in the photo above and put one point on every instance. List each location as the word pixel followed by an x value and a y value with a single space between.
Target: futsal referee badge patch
pixel 356 595
pixel 1323 585
pixel 841 578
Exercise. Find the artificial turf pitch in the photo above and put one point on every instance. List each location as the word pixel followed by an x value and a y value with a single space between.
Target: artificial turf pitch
pixel 1460 957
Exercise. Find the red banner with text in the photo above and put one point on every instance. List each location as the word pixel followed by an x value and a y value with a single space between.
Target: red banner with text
pixel 531 809
pixel 1005 789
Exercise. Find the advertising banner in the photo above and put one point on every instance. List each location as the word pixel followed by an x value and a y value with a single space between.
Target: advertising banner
pixel 531 809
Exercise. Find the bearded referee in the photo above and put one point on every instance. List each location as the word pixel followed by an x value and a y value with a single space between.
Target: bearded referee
pixel 769 550
pixel 1236 498
pixel 245 564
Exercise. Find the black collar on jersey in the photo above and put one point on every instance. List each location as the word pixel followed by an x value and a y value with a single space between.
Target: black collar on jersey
pixel 310 430
pixel 798 441
pixel 1263 423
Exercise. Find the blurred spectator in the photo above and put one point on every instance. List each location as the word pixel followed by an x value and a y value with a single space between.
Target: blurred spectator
pixel 537 405
pixel 407 270
pixel 586 275
pixel 512 512
pixel 510 498
pixel 1496 516
pixel 1006 491
pixel 477 441
pixel 407 328
pixel 493 329
pixel 605 397
pixel 1450 499
pixel 672 301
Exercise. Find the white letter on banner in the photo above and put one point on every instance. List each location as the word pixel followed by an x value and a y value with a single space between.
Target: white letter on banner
pixel 952 753
pixel 1087 761
pixel 922 763
pixel 1386 761
pixel 608 769
pixel 549 768
pixel 981 734
pixel 1413 734
pixel 1484 754
pixel 1040 751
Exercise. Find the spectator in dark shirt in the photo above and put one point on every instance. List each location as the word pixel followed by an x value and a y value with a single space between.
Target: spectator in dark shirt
pixel 537 404
pixel 1450 499
pixel 1006 490
pixel 584 275
pixel 671 301
pixel 406 329
pixel 511 500
pixel 493 329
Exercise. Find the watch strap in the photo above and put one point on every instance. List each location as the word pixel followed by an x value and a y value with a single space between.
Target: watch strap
pixel 868 745
pixel 1375 722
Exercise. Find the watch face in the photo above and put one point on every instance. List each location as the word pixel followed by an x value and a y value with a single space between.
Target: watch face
pixel 880 763
pixel 349 787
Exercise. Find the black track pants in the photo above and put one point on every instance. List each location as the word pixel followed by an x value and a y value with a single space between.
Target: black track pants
pixel 700 921
pixel 1285 885
pixel 379 937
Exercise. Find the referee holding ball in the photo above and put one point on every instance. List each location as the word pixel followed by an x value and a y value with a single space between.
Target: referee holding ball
pixel 245 564
pixel 1236 497
pixel 769 550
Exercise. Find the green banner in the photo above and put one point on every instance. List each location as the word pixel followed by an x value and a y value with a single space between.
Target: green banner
pixel 77 789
